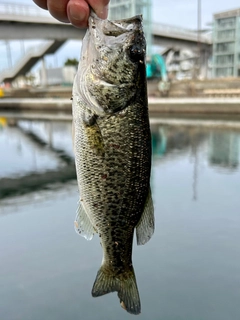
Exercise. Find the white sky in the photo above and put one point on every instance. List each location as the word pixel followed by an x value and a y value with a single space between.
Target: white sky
pixel 177 12
pixel 182 13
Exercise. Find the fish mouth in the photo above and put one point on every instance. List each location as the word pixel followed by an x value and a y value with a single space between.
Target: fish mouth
pixel 112 34
pixel 106 37
pixel 114 28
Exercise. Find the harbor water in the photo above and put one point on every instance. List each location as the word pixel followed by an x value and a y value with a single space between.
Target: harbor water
pixel 190 269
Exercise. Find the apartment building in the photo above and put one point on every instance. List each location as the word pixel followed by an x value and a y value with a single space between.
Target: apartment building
pixel 226 44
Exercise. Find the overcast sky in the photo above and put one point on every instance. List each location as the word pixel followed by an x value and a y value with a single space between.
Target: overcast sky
pixel 182 13
pixel 178 12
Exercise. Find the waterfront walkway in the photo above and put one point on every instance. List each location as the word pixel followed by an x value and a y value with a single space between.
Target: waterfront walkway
pixel 156 105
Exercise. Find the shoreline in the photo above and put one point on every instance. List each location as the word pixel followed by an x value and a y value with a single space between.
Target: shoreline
pixel 207 112
pixel 159 105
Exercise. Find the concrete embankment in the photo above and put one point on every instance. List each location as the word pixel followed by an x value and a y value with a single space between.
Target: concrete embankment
pixel 194 105
pixel 227 87
pixel 157 106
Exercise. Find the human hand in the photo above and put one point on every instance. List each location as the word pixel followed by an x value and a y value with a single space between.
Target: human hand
pixel 75 12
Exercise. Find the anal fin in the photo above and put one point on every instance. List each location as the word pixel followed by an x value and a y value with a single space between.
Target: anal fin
pixel 145 226
pixel 82 223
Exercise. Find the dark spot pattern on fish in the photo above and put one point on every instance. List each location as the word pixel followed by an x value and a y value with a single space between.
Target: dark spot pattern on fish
pixel 113 148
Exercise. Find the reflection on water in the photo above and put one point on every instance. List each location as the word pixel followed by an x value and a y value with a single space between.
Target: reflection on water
pixel 58 135
pixel 20 155
pixel 34 155
pixel 222 146
pixel 188 271
pixel 172 139
pixel 224 149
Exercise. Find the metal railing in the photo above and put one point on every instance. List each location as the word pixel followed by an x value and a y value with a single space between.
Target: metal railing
pixel 36 51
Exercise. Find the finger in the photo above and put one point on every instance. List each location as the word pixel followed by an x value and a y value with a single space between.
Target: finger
pixel 41 3
pixel 58 9
pixel 78 12
pixel 100 7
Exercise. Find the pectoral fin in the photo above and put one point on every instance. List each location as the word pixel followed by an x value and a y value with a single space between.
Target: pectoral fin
pixel 82 223
pixel 145 227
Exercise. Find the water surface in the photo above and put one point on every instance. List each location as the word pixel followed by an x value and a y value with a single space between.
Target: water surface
pixel 188 271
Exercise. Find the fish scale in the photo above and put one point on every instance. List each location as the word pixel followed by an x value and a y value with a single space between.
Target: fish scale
pixel 112 144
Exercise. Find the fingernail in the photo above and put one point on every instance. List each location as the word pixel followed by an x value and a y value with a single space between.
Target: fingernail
pixel 103 13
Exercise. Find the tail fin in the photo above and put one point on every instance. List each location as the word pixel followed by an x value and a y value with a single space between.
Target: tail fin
pixel 126 286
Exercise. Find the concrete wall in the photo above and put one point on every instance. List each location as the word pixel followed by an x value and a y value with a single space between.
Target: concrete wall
pixel 205 88
pixel 183 88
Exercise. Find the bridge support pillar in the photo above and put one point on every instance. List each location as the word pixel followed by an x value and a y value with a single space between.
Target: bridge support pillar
pixel 44 81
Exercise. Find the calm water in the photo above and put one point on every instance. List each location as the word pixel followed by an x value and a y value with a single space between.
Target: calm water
pixel 190 270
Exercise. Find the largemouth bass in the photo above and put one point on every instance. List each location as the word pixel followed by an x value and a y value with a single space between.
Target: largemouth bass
pixel 112 144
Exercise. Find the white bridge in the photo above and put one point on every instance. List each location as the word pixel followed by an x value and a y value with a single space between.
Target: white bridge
pixel 22 22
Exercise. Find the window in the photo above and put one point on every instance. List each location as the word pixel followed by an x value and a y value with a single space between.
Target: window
pixel 227 23
pixel 226 34
pixel 225 47
pixel 226 59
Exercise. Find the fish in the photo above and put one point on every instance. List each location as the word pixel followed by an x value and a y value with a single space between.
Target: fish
pixel 112 146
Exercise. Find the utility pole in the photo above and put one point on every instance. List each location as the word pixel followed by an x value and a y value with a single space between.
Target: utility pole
pixel 199 16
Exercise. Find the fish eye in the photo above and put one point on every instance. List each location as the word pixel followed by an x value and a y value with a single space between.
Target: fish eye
pixel 136 53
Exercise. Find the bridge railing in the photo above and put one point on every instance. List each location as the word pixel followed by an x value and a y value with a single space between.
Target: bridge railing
pixel 30 52
pixel 21 9
pixel 173 31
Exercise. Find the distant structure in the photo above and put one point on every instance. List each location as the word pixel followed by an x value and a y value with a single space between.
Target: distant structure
pixel 226 44
pixel 129 8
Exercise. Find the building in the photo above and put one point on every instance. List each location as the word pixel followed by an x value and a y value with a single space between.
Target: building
pixel 121 9
pixel 226 44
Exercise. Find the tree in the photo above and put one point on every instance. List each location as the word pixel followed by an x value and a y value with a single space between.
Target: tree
pixel 71 62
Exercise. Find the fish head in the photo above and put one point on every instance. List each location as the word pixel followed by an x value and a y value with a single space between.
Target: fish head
pixel 112 64
pixel 117 47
